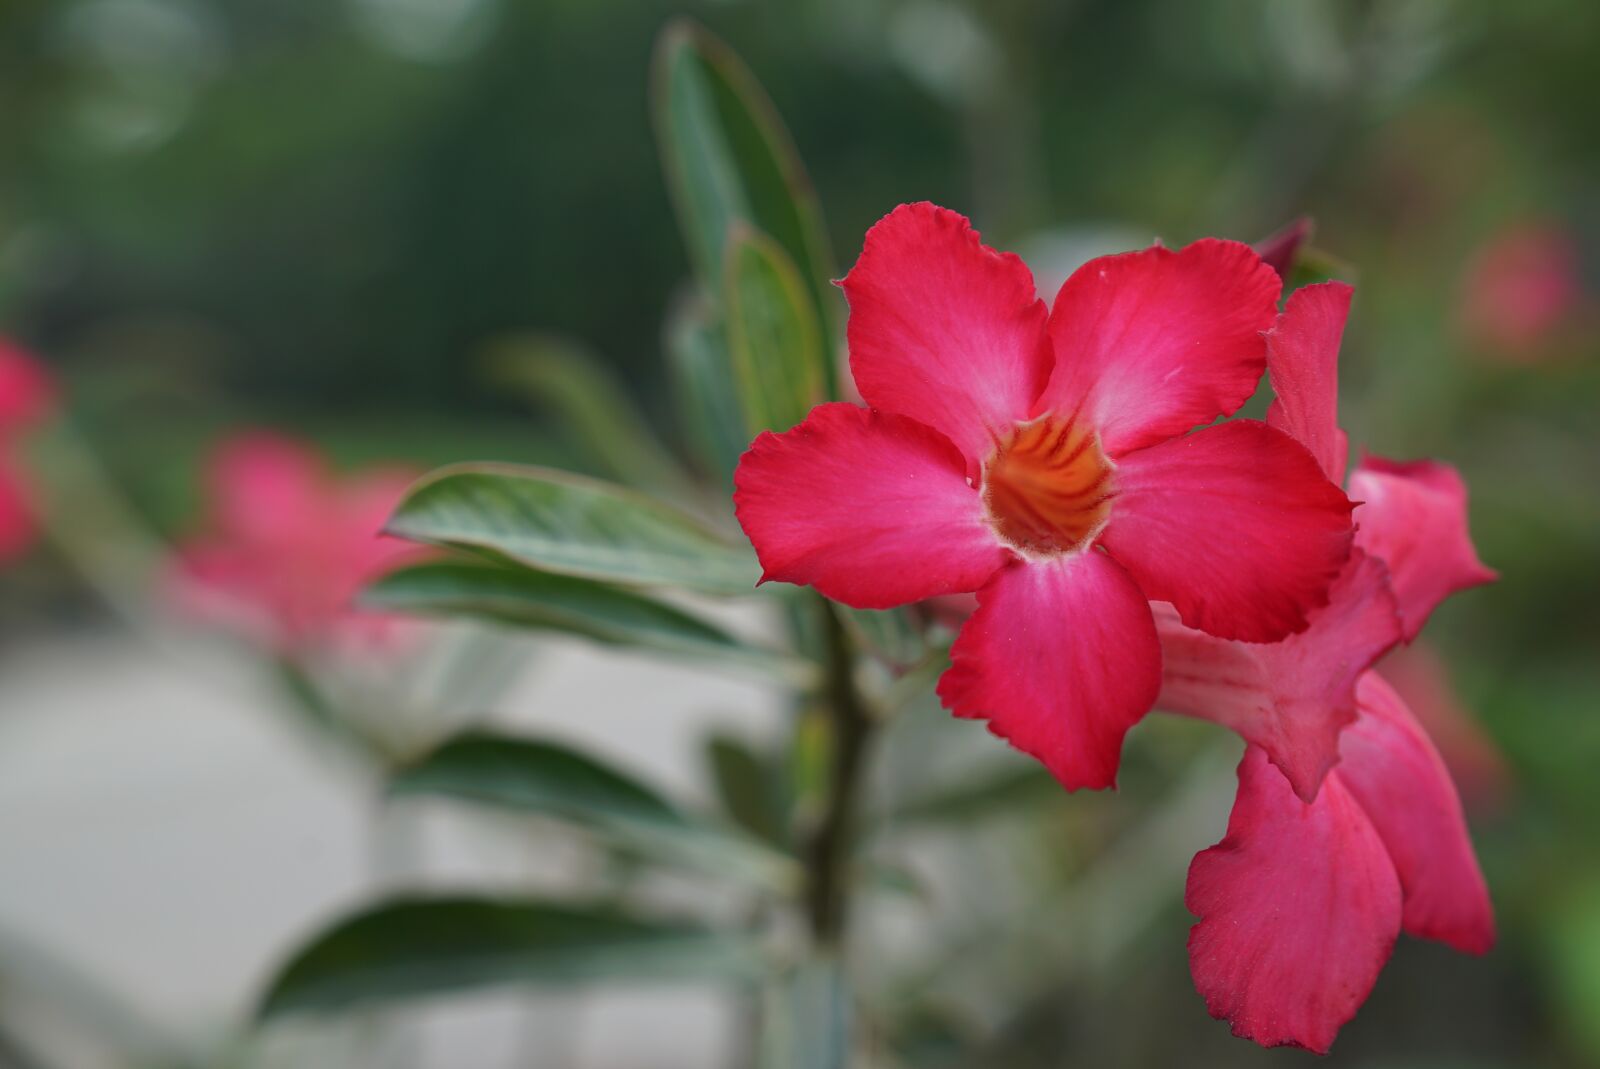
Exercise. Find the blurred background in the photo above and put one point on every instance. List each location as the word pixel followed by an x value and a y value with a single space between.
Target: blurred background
pixel 328 217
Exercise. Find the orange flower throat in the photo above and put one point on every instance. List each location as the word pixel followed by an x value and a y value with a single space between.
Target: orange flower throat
pixel 1049 489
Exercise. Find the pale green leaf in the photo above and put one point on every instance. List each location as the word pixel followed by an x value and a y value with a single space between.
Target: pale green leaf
pixel 558 522
pixel 775 342
pixel 545 601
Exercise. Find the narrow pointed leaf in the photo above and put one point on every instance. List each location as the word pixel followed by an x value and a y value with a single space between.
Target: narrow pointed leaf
pixel 553 780
pixel 728 158
pixel 545 601
pixel 999 791
pixel 749 786
pixel 415 947
pixel 1312 265
pixel 704 390
pixel 571 525
pixel 323 719
pixel 591 404
pixel 773 334
pixel 890 634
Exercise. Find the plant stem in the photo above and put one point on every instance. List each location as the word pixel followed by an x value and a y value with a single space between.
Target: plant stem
pixel 828 852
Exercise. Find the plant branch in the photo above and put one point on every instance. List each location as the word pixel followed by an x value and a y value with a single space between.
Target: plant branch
pixel 850 728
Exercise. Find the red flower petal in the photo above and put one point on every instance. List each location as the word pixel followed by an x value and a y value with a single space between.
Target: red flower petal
pixel 1415 519
pixel 1235 525
pixel 872 509
pixel 1061 658
pixel 1291 698
pixel 1392 769
pixel 1155 343
pixel 1299 909
pixel 944 329
pixel 1303 365
pixel 18 525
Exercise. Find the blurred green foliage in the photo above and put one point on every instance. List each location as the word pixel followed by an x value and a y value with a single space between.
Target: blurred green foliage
pixel 335 215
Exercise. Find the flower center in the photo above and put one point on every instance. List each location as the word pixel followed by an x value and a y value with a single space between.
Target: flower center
pixel 1048 490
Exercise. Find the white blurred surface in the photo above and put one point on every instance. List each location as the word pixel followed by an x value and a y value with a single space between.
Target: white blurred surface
pixel 167 836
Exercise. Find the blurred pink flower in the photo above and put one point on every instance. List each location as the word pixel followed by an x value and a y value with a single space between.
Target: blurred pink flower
pixel 27 397
pixel 1422 680
pixel 27 392
pixel 18 519
pixel 285 546
pixel 1521 290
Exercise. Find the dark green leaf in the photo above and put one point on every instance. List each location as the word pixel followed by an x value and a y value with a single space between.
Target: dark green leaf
pixel 773 335
pixel 545 601
pixel 536 776
pixel 430 946
pixel 597 413
pixel 552 780
pixel 929 1033
pixel 749 787
pixel 728 157
pixel 1312 265
pixel 558 522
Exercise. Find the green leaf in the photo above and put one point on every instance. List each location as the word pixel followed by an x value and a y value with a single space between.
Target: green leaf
pixel 704 390
pixel 595 409
pixel 727 157
pixel 1001 790
pixel 15 1053
pixel 1312 265
pixel 552 780
pixel 323 720
pixel 545 601
pixel 773 335
pixel 749 787
pixel 429 946
pixel 558 522
pixel 806 1018
pixel 896 879
pixel 889 634
pixel 535 776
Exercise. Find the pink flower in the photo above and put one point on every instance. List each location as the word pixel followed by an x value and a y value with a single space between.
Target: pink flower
pixel 286 547
pixel 1522 289
pixel 1419 676
pixel 1041 458
pixel 1294 697
pixel 27 397
pixel 1362 836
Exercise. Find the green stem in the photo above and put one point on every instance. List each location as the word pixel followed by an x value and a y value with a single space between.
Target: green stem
pixel 828 851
